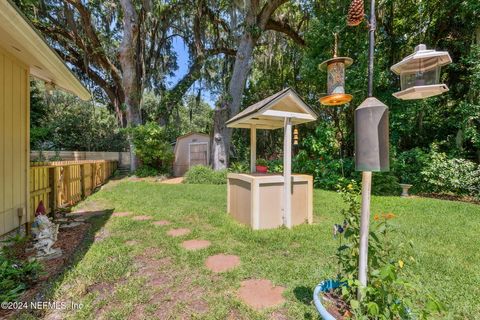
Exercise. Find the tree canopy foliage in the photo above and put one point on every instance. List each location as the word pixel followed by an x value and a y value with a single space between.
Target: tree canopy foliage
pixel 243 51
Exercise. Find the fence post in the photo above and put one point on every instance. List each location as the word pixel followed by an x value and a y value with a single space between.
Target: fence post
pixel 82 184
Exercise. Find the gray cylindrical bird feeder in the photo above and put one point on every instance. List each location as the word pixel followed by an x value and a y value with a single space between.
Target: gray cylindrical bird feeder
pixel 371 136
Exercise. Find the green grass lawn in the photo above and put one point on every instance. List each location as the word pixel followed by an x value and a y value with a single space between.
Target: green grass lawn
pixel 445 236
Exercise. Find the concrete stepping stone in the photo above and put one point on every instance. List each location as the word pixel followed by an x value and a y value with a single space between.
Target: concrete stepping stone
pixel 141 218
pixel 121 214
pixel 161 223
pixel 195 244
pixel 221 262
pixel 178 232
pixel 260 293
pixel 131 242
pixel 71 225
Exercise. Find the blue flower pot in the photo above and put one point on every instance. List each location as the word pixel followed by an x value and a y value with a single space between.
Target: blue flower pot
pixel 324 286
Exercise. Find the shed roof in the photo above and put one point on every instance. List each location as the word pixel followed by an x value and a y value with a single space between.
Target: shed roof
pixel 22 40
pixel 270 112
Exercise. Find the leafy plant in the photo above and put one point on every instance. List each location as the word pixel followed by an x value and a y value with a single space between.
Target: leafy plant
pixel 387 294
pixel 239 167
pixel 16 276
pixel 275 166
pixel 152 146
pixel 385 184
pixel 146 171
pixel 205 175
pixel 261 162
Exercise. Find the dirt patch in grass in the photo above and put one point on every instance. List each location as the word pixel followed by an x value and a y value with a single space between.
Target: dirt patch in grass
pixel 101 290
pixel 131 242
pixel 173 293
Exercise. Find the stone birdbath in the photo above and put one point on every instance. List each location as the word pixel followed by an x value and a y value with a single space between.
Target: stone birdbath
pixel 405 188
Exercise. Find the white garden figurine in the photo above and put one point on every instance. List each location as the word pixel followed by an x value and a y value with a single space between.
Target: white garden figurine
pixel 44 232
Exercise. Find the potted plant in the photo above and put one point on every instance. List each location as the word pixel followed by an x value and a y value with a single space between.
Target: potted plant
pixel 261 166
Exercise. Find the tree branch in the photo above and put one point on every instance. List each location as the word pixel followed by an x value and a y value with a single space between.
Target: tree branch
pixel 286 29
pixel 267 12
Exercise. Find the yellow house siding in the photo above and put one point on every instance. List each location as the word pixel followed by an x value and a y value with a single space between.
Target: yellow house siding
pixel 14 123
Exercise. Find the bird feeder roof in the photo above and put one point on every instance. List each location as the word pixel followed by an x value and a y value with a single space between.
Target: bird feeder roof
pixel 429 59
pixel 270 113
pixel 345 60
pixel 22 40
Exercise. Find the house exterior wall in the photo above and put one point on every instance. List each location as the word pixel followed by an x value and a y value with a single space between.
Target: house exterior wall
pixel 181 163
pixel 14 146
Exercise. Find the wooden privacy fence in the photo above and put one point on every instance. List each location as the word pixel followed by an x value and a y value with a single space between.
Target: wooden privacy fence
pixel 63 183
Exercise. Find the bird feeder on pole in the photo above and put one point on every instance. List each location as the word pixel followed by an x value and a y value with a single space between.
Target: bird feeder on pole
pixel 420 73
pixel 371 138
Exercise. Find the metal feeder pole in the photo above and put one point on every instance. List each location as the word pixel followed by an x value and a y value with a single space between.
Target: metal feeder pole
pixel 367 175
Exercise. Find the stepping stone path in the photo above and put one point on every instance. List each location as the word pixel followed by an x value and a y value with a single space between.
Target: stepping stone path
pixel 260 293
pixel 121 214
pixel 221 262
pixel 131 242
pixel 195 244
pixel 141 218
pixel 161 223
pixel 178 232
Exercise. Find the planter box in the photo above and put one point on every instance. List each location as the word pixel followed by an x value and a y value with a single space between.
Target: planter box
pixel 257 199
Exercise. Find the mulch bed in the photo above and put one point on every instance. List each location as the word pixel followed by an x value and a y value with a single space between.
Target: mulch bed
pixel 450 197
pixel 68 240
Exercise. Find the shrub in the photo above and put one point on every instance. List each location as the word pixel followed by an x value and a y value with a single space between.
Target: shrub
pixel 205 175
pixel 385 184
pixel 152 146
pixel 451 175
pixel 407 167
pixel 146 171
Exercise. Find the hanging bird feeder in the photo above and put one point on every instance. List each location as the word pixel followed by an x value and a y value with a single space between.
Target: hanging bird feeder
pixel 420 73
pixel 336 79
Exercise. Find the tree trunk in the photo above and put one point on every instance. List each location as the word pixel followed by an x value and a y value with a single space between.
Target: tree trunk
pixel 221 134
pixel 132 74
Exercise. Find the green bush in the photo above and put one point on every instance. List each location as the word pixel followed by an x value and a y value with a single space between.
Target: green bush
pixel 407 167
pixel 451 175
pixel 385 184
pixel 205 175
pixel 146 171
pixel 152 146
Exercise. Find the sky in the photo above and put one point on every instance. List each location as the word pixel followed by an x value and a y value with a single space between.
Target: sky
pixel 182 61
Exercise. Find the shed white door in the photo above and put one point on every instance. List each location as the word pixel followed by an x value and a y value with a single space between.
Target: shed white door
pixel 198 154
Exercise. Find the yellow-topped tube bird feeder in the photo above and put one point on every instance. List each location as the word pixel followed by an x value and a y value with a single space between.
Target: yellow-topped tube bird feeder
pixel 336 79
